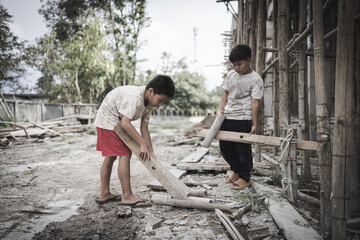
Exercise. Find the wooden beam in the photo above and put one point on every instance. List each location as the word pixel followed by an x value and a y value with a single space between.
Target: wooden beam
pixel 286 217
pixel 196 156
pixel 257 139
pixel 174 186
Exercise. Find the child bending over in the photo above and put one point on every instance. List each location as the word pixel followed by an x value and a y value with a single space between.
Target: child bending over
pixel 126 104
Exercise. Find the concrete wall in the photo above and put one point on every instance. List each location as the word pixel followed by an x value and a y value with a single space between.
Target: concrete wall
pixel 38 112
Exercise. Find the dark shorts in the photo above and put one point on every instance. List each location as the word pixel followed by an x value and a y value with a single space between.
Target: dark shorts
pixel 238 155
pixel 110 144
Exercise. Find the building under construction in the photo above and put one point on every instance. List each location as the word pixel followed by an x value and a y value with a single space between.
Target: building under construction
pixel 308 53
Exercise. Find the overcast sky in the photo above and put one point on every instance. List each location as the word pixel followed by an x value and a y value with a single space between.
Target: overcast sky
pixel 171 30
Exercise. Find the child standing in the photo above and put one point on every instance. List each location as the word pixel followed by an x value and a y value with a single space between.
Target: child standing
pixel 126 104
pixel 243 89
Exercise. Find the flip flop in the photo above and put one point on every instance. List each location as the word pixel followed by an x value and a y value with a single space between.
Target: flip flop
pixel 228 180
pixel 116 198
pixel 135 204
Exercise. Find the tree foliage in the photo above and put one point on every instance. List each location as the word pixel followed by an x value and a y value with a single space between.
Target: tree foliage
pixel 123 21
pixel 79 64
pixel 11 58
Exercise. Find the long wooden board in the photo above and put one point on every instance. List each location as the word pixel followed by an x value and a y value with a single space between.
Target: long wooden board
pixel 256 139
pixel 286 217
pixel 174 186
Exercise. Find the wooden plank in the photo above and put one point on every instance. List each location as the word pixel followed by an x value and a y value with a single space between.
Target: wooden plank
pixel 196 156
pixel 235 234
pixel 286 217
pixel 174 186
pixel 203 166
pixel 257 139
pixel 213 130
pixel 184 141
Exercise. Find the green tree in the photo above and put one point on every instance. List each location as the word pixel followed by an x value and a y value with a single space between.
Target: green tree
pixel 11 57
pixel 79 64
pixel 124 20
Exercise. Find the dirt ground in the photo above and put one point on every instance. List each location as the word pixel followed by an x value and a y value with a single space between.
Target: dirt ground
pixel 48 191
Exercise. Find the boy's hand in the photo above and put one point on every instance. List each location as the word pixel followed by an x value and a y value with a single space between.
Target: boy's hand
pixel 144 152
pixel 152 155
pixel 253 129
pixel 220 111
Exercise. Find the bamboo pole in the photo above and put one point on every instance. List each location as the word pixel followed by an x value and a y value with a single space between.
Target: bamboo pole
pixel 275 87
pixel 252 25
pixel 302 89
pixel 213 130
pixel 260 64
pixel 284 112
pixel 246 23
pixel 322 117
pixel 355 188
pixel 344 129
pixel 240 24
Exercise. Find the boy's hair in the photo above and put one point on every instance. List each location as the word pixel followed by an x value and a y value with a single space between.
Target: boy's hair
pixel 162 84
pixel 240 52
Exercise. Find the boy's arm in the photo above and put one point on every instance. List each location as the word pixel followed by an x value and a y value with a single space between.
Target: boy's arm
pixel 223 101
pixel 130 129
pixel 255 106
pixel 146 134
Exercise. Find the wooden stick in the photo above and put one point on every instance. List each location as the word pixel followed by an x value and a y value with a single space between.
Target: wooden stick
pixel 213 130
pixel 47 129
pixel 256 139
pixel 174 186
pixel 161 199
pixel 229 225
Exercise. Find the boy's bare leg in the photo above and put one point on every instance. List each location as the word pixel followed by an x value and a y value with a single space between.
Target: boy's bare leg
pixel 105 173
pixel 124 176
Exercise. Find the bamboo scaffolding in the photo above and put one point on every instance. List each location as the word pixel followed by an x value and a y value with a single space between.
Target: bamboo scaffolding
pixel 260 64
pixel 344 141
pixel 302 96
pixel 322 117
pixel 240 24
pixel 284 112
pixel 275 88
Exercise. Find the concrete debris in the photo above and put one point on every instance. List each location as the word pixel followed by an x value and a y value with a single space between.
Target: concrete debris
pixel 124 211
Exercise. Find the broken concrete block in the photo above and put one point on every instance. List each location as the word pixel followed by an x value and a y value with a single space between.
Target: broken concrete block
pixel 124 211
pixel 154 222
pixel 245 220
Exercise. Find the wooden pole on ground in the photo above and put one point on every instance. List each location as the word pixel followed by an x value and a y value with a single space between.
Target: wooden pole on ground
pixel 302 91
pixel 213 130
pixel 260 64
pixel 344 141
pixel 188 203
pixel 284 112
pixel 174 186
pixel 323 121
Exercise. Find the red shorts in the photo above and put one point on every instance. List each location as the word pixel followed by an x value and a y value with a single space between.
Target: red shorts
pixel 110 144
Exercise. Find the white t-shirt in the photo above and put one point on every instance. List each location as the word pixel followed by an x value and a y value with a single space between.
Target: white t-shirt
pixel 241 89
pixel 122 101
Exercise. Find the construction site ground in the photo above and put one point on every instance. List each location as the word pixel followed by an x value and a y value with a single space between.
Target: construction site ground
pixel 48 191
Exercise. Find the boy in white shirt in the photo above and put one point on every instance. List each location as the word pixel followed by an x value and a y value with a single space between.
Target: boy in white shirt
pixel 126 104
pixel 243 89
